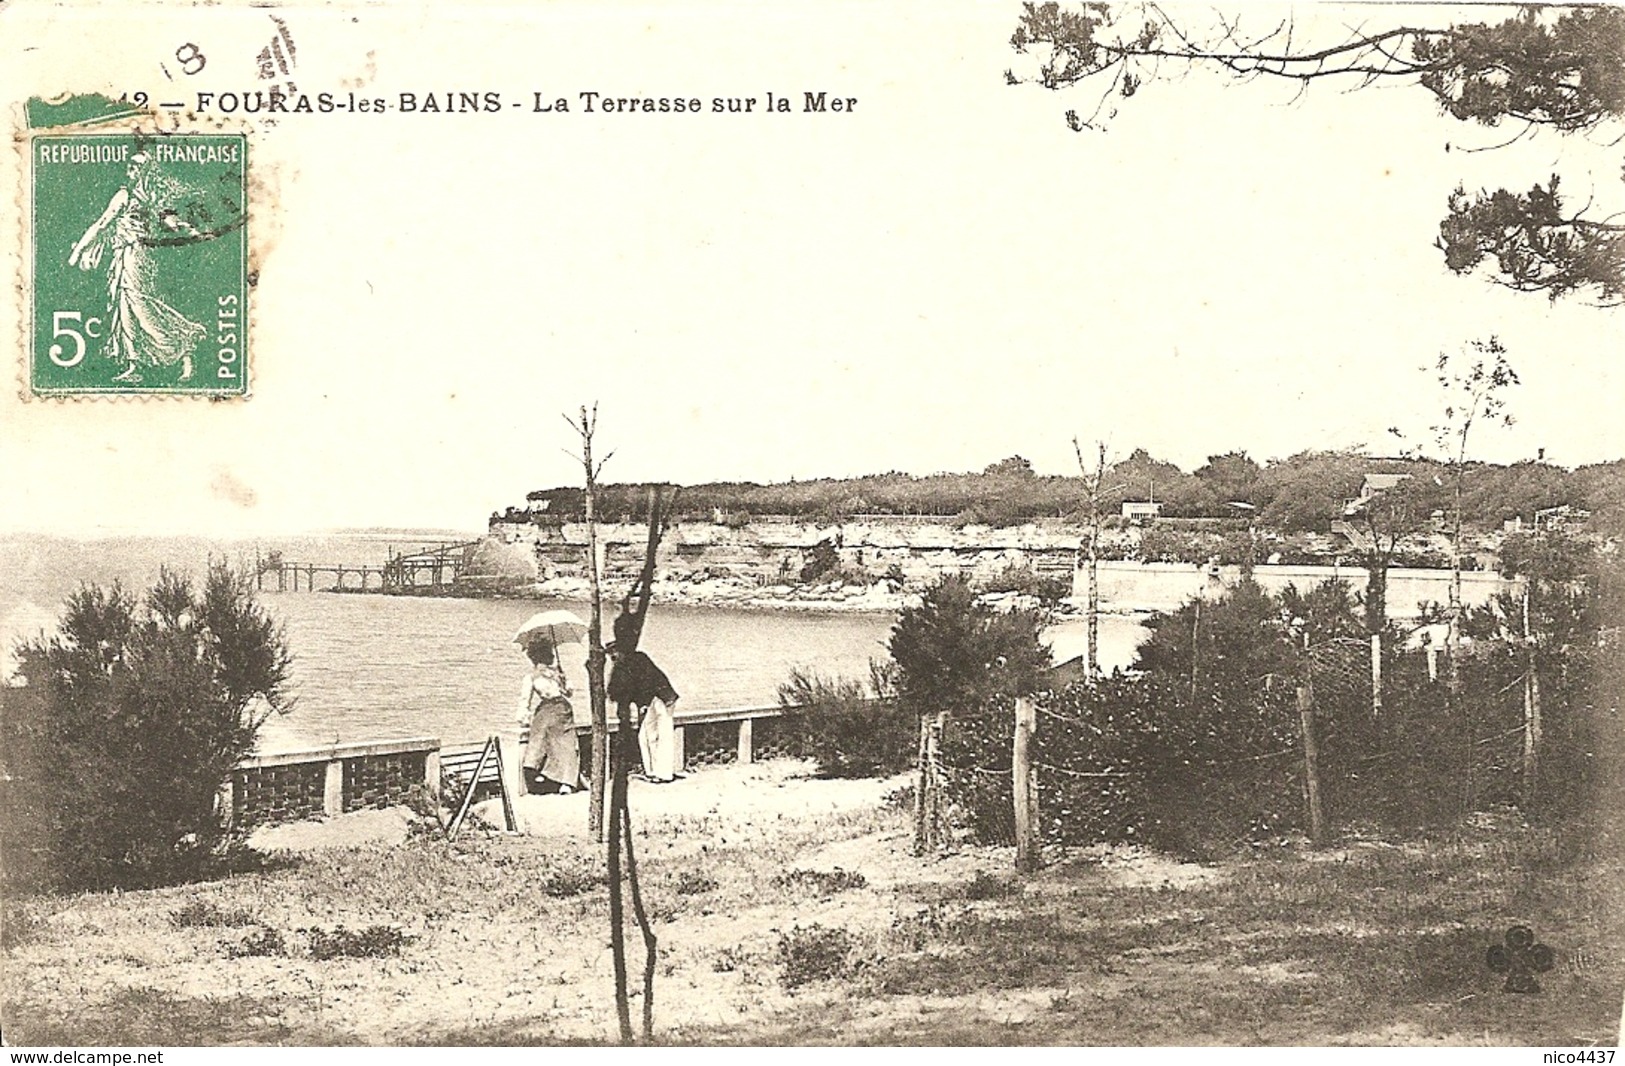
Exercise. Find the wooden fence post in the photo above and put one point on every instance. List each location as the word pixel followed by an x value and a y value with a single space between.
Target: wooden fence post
pixel 1023 786
pixel 1531 711
pixel 1311 763
pixel 920 786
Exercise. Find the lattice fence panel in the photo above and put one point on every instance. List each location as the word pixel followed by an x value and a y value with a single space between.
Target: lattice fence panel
pixel 270 794
pixel 381 780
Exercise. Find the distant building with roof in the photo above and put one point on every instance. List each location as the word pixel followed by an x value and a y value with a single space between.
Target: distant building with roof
pixel 1141 509
pixel 1371 487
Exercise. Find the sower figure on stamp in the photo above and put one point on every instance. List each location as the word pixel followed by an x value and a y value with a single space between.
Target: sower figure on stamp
pixel 635 679
pixel 142 330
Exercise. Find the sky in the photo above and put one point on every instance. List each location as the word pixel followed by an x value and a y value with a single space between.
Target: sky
pixel 942 277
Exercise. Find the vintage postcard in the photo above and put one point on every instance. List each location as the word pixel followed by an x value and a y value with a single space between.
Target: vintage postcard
pixel 918 523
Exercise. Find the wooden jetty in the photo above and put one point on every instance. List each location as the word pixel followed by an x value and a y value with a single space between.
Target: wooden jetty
pixel 430 567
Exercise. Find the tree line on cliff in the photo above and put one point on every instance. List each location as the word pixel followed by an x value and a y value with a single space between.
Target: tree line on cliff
pixel 1302 493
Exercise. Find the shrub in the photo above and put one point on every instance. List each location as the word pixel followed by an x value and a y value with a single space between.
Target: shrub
pixel 985 886
pixel 954 654
pixel 900 798
pixel 203 914
pixel 822 882
pixel 261 942
pixel 562 884
pixel 814 953
pixel 375 941
pixel 837 724
pixel 729 959
pixel 690 883
pixel 822 559
pixel 19 925
pixel 962 664
pixel 1047 588
pixel 125 724
pixel 1201 748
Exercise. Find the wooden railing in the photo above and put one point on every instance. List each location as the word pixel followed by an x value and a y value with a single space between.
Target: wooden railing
pixel 683 720
pixel 330 780
pixel 283 785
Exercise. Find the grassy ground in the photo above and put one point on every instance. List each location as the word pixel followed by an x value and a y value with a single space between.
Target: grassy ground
pixel 797 920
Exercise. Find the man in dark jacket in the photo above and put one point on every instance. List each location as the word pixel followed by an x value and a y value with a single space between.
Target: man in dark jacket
pixel 635 679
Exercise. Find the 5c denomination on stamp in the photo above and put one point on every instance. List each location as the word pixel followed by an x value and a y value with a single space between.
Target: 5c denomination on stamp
pixel 138 264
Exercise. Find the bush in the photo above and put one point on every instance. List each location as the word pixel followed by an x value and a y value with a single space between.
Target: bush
pixel 822 560
pixel 961 663
pixel 19 925
pixel 814 953
pixel 846 732
pixel 984 886
pixel 1201 749
pixel 822 882
pixel 202 914
pixel 261 942
pixel 563 884
pixel 124 726
pixel 690 883
pixel 375 941
pixel 1047 588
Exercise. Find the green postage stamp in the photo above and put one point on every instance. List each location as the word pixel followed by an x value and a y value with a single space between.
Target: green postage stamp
pixel 138 264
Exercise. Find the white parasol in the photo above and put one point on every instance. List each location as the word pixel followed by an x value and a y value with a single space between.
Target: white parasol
pixel 561 626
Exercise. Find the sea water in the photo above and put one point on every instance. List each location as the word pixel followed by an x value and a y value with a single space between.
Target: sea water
pixel 372 667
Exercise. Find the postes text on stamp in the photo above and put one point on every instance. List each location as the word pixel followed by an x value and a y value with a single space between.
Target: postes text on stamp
pixel 138 251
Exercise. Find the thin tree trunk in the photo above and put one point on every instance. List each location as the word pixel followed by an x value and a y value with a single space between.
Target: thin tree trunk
pixel 599 758
pixel 649 941
pixel 1196 639
pixel 1376 675
pixel 1452 638
pixel 617 934
pixel 1092 665
pixel 1091 662
pixel 1376 611
pixel 620 819
pixel 922 784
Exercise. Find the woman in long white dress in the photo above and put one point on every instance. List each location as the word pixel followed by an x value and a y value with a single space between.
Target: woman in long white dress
pixel 552 760
pixel 142 330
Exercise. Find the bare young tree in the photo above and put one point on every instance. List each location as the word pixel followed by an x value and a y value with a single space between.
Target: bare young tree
pixel 585 426
pixel 1094 486
pixel 1474 387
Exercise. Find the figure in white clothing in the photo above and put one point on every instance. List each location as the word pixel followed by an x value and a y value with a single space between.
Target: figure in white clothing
pixel 552 760
pixel 637 681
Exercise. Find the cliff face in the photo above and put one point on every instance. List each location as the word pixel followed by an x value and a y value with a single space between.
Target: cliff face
pixel 770 552
pixel 766 561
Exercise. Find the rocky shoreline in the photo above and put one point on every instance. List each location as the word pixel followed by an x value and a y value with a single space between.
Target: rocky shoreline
pixel 881 597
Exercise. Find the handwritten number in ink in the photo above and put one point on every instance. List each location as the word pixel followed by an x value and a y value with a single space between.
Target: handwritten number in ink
pixel 190 57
